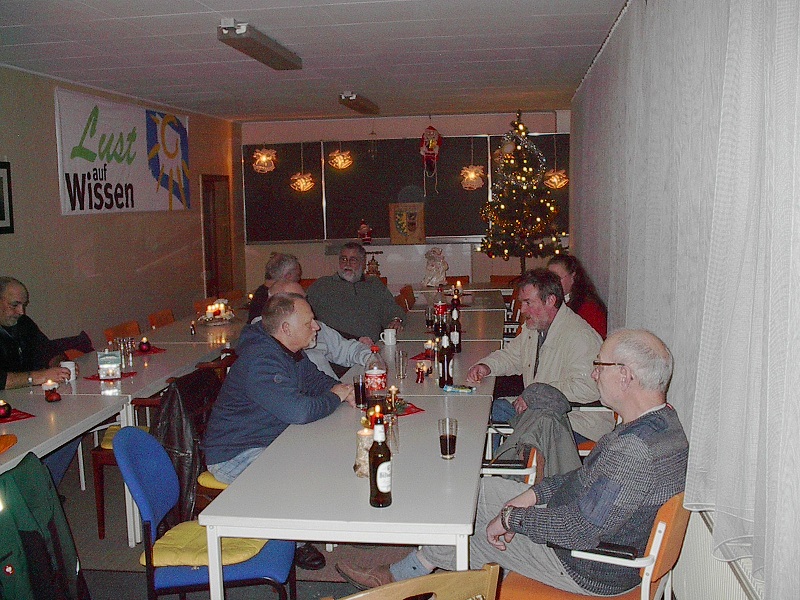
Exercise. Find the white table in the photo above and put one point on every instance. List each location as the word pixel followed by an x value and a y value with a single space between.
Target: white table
pixel 476 300
pixel 54 423
pixel 475 325
pixel 303 487
pixel 214 336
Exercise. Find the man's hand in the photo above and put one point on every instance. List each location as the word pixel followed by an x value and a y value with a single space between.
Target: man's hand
pixel 57 374
pixel 477 372
pixel 365 339
pixel 396 324
pixel 520 405
pixel 345 393
pixel 497 535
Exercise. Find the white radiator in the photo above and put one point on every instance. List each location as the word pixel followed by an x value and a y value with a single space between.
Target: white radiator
pixel 699 576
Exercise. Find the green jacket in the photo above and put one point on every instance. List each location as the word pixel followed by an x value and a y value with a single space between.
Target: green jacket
pixel 37 553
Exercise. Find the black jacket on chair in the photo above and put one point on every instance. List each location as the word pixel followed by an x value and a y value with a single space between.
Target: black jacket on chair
pixel 185 408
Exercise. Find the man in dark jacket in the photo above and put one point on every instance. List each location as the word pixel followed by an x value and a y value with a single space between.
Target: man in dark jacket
pixel 25 360
pixel 271 385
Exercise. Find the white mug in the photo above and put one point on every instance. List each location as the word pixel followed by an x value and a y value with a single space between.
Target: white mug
pixel 68 364
pixel 389 337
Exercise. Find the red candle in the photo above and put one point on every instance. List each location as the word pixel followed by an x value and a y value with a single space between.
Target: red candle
pixel 5 409
pixel 52 396
pixel 144 345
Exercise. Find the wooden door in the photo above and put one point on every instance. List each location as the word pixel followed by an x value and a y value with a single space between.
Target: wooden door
pixel 217 238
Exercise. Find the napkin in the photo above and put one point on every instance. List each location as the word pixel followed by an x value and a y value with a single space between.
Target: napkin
pixel 411 409
pixel 17 415
pixel 96 377
pixel 420 356
pixel 153 350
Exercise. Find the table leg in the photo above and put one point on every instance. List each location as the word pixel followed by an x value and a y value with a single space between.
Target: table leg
pixel 214 564
pixel 462 553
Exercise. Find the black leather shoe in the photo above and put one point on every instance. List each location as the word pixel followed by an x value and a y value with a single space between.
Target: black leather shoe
pixel 309 558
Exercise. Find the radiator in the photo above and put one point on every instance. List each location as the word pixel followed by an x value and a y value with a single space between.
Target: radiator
pixel 699 576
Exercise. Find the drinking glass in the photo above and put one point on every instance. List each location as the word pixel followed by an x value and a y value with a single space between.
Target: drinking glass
pixel 401 364
pixel 448 432
pixel 360 387
pixel 429 317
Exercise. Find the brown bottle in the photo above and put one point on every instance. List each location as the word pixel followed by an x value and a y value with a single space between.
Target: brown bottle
pixel 445 363
pixel 455 330
pixel 380 468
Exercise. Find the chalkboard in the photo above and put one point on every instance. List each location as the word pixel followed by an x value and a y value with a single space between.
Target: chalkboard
pixel 383 172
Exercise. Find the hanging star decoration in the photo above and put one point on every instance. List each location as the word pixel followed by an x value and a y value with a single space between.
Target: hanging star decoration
pixel 264 160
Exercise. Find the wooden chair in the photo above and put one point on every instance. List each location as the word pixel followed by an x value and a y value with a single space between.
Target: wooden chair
pixel 126 329
pixel 503 280
pixel 452 585
pixel 306 283
pixel 663 549
pixel 406 299
pixel 452 279
pixel 161 318
pixel 232 295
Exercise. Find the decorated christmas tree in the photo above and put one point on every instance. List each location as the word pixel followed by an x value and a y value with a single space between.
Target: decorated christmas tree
pixel 520 216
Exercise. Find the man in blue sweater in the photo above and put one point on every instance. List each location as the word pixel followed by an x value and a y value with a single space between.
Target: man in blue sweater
pixel 271 385
pixel 613 497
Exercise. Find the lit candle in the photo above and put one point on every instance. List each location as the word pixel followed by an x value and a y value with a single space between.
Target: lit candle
pixel 144 345
pixel 458 284
pixel 249 296
pixel 363 444
pixel 209 312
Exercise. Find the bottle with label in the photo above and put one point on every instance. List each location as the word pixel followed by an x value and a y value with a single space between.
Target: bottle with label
pixel 456 301
pixel 445 362
pixel 455 329
pixel 440 325
pixel 380 468
pixel 375 373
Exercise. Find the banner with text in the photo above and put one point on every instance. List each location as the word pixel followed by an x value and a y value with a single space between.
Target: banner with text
pixel 115 157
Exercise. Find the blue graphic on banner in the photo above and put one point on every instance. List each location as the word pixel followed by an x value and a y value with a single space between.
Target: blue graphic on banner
pixel 168 155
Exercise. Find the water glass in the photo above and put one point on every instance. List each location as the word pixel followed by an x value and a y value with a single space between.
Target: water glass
pixel 401 364
pixel 391 422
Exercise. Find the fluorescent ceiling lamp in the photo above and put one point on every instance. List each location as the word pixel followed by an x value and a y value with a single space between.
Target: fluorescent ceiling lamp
pixel 360 104
pixel 249 40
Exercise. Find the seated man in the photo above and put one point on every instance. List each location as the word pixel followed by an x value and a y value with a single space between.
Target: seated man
pixel 555 347
pixel 330 347
pixel 270 386
pixel 354 305
pixel 280 267
pixel 613 497
pixel 25 360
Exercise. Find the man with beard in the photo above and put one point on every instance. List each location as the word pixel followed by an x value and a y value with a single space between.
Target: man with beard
pixel 354 305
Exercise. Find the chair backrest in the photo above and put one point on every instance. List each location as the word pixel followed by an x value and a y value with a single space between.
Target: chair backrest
pixel 452 279
pixel 504 280
pixel 232 295
pixel 148 473
pixel 675 519
pixel 406 299
pixel 161 318
pixel 126 329
pixel 453 585
pixel 306 283
pixel 219 366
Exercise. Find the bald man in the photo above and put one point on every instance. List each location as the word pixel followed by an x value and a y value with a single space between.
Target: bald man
pixel 612 498
pixel 330 346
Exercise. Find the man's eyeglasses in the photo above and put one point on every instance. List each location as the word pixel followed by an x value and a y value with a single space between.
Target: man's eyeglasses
pixel 353 260
pixel 600 363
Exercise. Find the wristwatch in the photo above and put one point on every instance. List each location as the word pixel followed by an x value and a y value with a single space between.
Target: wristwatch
pixel 504 515
pixel 30 379
pixel 398 319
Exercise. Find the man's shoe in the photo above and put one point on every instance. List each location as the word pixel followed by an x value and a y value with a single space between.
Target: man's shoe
pixel 367 577
pixel 309 558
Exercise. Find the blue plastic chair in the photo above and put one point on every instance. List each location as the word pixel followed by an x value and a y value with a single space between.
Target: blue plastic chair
pixel 153 483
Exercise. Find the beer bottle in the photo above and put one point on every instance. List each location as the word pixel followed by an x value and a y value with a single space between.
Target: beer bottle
pixel 380 468
pixel 455 329
pixel 445 363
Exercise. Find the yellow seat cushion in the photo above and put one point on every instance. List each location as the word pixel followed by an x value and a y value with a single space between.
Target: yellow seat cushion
pixel 207 480
pixel 185 545
pixel 107 443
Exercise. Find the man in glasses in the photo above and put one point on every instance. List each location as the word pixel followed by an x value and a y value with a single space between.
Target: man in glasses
pixel 354 305
pixel 555 347
pixel 612 499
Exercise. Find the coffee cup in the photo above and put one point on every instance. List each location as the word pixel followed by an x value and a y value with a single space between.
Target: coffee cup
pixel 68 364
pixel 389 337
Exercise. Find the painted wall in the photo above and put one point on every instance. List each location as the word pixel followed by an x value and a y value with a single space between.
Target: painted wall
pixel 400 264
pixel 91 272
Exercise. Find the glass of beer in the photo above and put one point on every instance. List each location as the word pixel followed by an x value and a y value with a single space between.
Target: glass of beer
pixel 448 432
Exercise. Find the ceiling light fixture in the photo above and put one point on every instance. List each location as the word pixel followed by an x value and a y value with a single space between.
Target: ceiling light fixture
pixel 264 160
pixel 249 40
pixel 360 104
pixel 302 182
pixel 555 179
pixel 472 176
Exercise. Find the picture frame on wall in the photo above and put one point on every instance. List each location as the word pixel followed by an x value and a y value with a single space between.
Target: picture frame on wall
pixel 6 207
pixel 407 222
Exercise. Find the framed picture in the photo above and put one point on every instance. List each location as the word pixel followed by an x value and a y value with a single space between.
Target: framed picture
pixel 6 210
pixel 407 223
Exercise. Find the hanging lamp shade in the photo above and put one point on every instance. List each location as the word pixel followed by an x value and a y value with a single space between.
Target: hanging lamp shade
pixel 264 160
